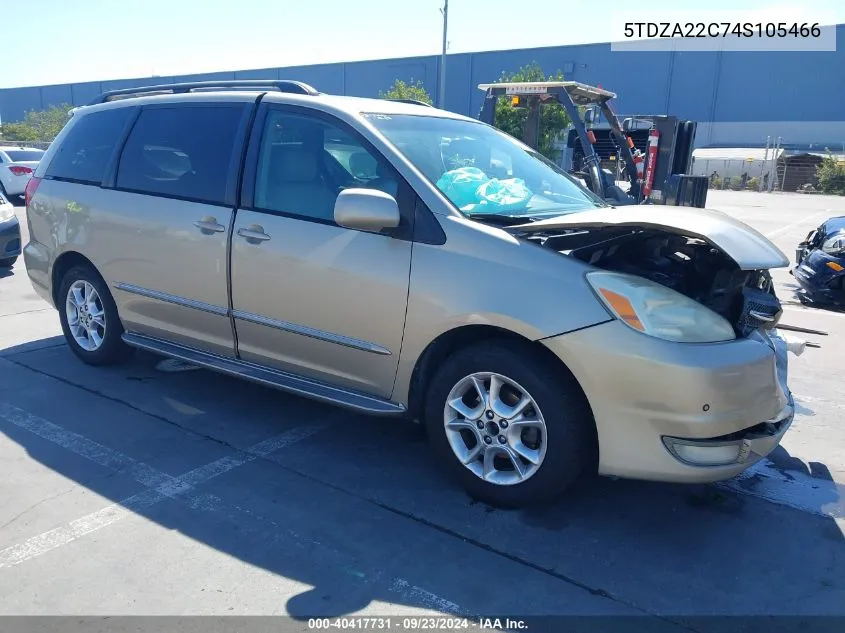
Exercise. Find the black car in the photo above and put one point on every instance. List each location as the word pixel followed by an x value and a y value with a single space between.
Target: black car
pixel 10 234
pixel 820 264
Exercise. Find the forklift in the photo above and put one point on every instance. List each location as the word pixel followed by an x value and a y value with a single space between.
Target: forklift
pixel 658 172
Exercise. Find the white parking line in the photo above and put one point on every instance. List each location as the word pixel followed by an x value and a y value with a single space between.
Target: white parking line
pixel 796 224
pixel 89 449
pixel 162 485
pixel 429 600
pixel 807 310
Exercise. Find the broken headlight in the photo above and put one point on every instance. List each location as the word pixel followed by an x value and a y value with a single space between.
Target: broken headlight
pixel 658 311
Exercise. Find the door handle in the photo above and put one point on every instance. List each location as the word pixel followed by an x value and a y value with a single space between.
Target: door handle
pixel 254 234
pixel 209 225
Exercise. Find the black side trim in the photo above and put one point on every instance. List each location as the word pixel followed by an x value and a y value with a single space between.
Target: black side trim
pixel 427 228
pixel 110 177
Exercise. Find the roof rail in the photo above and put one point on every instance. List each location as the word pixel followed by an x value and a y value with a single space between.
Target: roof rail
pixel 412 101
pixel 282 85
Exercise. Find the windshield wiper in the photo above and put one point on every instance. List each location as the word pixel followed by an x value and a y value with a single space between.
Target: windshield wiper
pixel 500 218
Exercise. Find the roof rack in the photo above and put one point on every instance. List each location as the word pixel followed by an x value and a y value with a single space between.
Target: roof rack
pixel 411 101
pixel 283 85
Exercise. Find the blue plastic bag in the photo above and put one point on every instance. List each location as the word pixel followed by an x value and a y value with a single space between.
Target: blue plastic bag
pixel 471 190
pixel 461 185
pixel 504 195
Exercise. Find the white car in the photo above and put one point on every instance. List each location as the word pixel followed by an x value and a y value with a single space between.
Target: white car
pixel 16 167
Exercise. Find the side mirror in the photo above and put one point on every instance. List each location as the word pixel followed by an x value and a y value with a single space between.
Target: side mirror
pixel 366 210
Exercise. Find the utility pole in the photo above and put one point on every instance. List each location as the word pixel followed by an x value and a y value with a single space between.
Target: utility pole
pixel 441 94
pixel 763 163
pixel 773 171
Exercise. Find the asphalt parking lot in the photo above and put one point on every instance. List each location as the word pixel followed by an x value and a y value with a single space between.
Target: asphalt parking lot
pixel 139 490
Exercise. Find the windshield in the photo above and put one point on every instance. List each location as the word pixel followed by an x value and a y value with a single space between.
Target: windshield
pixel 482 170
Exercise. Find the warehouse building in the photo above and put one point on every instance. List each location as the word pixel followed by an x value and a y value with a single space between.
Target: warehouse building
pixel 738 98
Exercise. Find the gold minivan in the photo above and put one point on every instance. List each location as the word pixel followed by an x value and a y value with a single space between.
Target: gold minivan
pixel 401 260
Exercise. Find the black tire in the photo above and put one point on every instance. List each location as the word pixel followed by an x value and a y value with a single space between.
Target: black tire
pixel 8 262
pixel 113 350
pixel 570 429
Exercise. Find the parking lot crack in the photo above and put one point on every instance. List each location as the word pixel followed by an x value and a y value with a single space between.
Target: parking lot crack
pixel 595 591
pixel 116 400
pixel 38 503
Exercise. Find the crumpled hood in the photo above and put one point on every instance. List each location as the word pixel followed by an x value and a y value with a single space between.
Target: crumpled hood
pixel 750 249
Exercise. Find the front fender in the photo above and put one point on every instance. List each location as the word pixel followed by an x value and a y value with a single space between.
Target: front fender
pixel 483 275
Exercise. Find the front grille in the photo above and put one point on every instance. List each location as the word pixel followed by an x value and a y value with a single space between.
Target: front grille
pixel 760 308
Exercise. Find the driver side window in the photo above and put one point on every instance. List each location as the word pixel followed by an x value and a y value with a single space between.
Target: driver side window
pixel 305 162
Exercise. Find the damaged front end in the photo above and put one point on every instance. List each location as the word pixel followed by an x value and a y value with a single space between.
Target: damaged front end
pixel 728 275
pixel 707 256
pixel 687 265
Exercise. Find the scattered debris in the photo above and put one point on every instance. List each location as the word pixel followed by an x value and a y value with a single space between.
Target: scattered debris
pixel 173 365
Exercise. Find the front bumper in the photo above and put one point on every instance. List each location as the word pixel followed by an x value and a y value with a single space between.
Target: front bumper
pixel 649 396
pixel 10 238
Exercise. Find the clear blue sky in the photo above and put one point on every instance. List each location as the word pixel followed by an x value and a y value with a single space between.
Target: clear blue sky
pixel 64 41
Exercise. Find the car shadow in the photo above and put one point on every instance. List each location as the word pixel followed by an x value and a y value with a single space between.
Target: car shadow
pixel 349 511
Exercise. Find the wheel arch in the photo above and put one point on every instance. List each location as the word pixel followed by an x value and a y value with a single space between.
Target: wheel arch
pixel 458 338
pixel 63 263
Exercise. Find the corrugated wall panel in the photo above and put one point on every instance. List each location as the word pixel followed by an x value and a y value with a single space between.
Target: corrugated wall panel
pixel 15 103
pixel 790 90
pixel 328 78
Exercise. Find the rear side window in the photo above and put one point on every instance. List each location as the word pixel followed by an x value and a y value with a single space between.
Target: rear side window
pixel 181 152
pixel 85 152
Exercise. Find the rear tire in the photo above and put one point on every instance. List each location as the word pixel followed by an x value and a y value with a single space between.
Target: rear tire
pixel 89 318
pixel 8 262
pixel 534 455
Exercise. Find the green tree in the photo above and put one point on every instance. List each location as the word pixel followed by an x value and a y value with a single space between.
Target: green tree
pixel 412 90
pixel 43 125
pixel 831 175
pixel 553 117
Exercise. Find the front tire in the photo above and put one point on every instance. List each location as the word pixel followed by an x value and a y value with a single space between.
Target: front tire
pixel 89 318
pixel 513 427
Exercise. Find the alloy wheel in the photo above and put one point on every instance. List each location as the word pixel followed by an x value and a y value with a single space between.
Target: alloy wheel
pixel 495 428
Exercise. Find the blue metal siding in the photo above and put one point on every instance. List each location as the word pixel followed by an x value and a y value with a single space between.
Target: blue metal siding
pixel 775 92
pixel 258 73
pixel 690 95
pixel 329 78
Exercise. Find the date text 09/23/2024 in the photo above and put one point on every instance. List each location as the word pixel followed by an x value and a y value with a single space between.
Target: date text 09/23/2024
pixel 417 624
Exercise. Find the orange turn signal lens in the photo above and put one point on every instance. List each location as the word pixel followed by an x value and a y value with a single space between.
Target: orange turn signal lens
pixel 623 308
pixel 835 266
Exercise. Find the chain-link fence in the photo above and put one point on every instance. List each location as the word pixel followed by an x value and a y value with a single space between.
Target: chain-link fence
pixel 799 172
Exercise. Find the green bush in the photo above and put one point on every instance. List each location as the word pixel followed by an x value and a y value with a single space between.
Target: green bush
pixel 553 117
pixel 753 183
pixel 831 175
pixel 41 125
pixel 402 90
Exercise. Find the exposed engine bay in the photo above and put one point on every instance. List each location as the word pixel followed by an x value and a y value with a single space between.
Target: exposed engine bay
pixel 690 266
